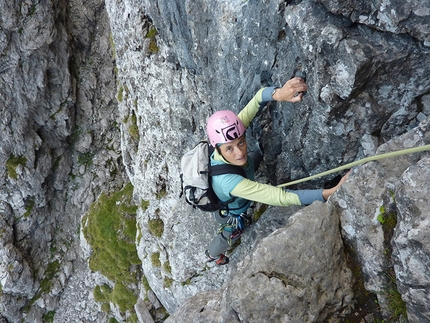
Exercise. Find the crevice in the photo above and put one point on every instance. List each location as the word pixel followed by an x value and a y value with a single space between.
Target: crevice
pixel 286 281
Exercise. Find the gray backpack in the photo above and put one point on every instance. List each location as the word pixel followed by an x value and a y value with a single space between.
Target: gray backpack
pixel 196 173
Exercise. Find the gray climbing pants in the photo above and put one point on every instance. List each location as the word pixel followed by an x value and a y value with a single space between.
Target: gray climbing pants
pixel 220 242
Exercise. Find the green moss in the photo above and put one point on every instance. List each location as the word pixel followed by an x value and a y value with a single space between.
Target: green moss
pixel 86 159
pixel 258 212
pixel 139 234
pixel 56 163
pixel 51 271
pixel 161 193
pixel 168 282
pixel 124 297
pixel 110 228
pixel 144 205
pixel 29 207
pixel 12 163
pixel 167 268
pixel 32 10
pixel 105 307
pixel 187 282
pixel 156 227
pixel 155 259
pixel 133 129
pixel 76 133
pixel 49 317
pixel 112 46
pixel 145 283
pixel 133 318
pixel 120 95
pixel 153 47
pixel 396 305
pixel 45 284
pixel 152 32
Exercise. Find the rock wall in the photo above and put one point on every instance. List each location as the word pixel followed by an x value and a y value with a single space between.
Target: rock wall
pixel 367 85
pixel 91 97
pixel 59 149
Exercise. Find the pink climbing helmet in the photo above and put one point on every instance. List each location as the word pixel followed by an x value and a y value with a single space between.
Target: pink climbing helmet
pixel 223 127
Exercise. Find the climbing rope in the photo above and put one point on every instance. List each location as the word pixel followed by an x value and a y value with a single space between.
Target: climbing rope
pixel 361 161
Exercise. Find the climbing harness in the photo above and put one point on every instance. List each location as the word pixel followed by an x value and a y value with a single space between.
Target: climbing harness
pixel 235 224
pixel 361 161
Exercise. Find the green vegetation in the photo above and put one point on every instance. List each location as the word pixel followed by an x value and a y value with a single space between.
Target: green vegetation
pixel 365 302
pixel 144 205
pixel 56 163
pixel 120 295
pixel 168 282
pixel 86 159
pixel 187 282
pixel 396 305
pixel 133 318
pixel 152 32
pixel 49 317
pixel 145 283
pixel 112 46
pixel 153 47
pixel 133 130
pixel 110 228
pixel 12 163
pixel 161 193
pixel 155 259
pixel 389 220
pixel 120 94
pixel 51 271
pixel 29 207
pixel 45 284
pixel 156 227
pixel 380 216
pixel 258 212
pixel 167 268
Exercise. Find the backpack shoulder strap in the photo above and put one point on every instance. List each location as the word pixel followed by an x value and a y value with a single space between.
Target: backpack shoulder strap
pixel 226 169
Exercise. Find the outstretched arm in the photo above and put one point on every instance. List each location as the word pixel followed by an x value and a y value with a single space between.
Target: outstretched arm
pixel 264 95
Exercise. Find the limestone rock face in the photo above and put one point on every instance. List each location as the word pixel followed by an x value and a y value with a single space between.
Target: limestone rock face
pixel 411 240
pixel 58 150
pixel 365 87
pixel 96 94
pixel 299 269
pixel 382 190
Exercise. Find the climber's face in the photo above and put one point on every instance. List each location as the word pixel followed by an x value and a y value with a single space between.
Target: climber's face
pixel 235 152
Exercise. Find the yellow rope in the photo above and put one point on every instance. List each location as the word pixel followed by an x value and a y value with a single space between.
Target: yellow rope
pixel 361 161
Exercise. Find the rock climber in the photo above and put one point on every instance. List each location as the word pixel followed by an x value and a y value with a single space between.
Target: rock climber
pixel 226 132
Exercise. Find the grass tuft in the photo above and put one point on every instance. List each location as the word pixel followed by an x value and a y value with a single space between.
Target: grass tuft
pixel 396 305
pixel 12 163
pixel 110 228
pixel 156 227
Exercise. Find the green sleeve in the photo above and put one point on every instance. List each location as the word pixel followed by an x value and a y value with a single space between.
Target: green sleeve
pixel 264 193
pixel 251 109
